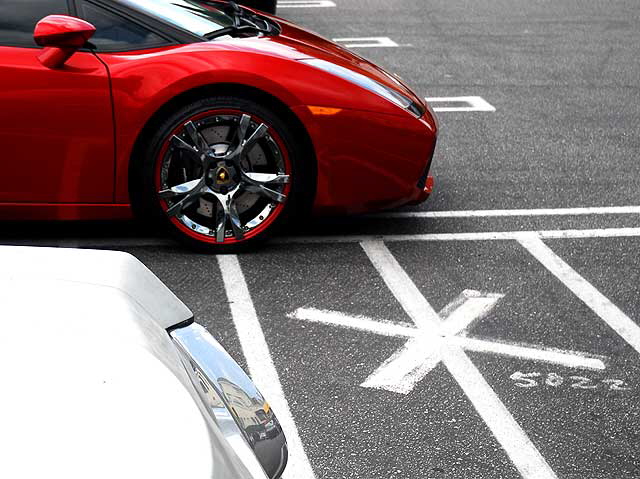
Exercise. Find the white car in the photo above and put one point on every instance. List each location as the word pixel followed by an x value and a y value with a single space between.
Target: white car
pixel 106 375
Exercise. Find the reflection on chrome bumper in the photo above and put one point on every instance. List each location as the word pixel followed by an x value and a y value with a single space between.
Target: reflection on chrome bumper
pixel 241 412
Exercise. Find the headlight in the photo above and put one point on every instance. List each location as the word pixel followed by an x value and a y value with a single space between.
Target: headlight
pixel 366 83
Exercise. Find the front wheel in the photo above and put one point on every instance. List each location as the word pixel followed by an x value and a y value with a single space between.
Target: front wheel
pixel 221 174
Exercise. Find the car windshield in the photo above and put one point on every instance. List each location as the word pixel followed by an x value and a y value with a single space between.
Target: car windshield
pixel 190 15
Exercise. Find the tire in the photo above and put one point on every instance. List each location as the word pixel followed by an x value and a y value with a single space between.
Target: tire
pixel 197 179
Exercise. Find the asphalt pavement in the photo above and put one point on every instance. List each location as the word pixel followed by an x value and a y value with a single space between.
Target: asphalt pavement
pixel 458 338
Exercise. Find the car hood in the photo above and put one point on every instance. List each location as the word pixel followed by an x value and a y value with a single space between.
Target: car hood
pixel 93 384
pixel 119 271
pixel 297 43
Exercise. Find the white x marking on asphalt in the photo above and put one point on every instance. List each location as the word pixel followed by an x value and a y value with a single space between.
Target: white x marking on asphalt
pixel 410 364
pixel 423 350
pixel 435 338
pixel 434 333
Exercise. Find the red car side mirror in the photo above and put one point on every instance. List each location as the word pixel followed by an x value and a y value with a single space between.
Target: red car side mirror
pixel 61 36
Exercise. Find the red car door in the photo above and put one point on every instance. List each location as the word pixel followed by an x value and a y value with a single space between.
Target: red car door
pixel 56 125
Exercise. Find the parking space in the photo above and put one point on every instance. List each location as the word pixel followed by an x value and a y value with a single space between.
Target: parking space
pixel 516 375
pixel 580 418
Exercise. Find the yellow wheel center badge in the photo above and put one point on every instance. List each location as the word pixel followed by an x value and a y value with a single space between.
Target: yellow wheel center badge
pixel 222 176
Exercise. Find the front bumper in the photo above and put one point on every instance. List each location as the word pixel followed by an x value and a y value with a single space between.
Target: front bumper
pixel 369 161
pixel 234 402
pixel 423 193
pixel 424 188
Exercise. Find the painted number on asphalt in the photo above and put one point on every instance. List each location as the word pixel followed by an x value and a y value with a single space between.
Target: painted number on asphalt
pixel 554 380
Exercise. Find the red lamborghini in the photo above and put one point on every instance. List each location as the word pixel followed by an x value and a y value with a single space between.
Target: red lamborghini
pixel 213 120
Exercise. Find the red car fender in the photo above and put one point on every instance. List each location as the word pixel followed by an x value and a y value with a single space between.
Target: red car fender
pixel 143 85
pixel 143 82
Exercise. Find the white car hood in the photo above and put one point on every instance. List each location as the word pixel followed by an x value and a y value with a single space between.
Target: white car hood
pixel 116 270
pixel 92 384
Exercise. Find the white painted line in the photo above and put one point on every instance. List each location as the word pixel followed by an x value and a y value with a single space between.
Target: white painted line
pixel 475 236
pixel 472 103
pixel 522 452
pixel 594 299
pixel 597 210
pixel 366 42
pixel 261 368
pixel 600 210
pixel 470 306
pixel 458 315
pixel 354 322
pixel 396 374
pixel 405 291
pixel 569 359
pixel 305 4
pixel 403 370
pixel 590 233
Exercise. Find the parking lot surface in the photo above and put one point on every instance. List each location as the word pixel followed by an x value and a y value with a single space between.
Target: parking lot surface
pixel 491 332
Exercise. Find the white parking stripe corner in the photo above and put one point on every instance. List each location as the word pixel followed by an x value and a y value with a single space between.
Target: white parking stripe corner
pixel 261 367
pixel 469 103
pixel 366 42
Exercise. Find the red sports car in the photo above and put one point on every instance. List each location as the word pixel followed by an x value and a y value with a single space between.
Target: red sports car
pixel 213 120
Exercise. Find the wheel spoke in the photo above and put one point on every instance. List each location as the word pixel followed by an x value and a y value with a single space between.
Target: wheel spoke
pixel 178 142
pixel 181 205
pixel 196 137
pixel 221 224
pixel 192 152
pixel 188 200
pixel 258 183
pixel 264 191
pixel 245 145
pixel 268 178
pixel 236 224
pixel 178 190
pixel 228 211
pixel 243 127
pixel 255 136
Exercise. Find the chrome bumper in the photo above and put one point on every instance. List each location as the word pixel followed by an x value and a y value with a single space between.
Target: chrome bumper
pixel 239 409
